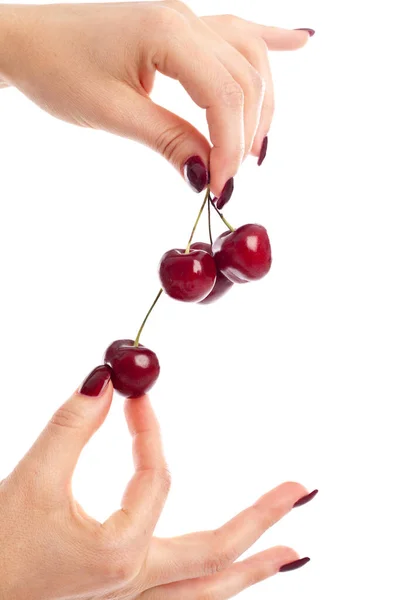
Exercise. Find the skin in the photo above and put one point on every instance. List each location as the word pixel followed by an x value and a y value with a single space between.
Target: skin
pixel 52 548
pixel 94 65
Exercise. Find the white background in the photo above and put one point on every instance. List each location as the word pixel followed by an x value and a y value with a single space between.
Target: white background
pixel 293 378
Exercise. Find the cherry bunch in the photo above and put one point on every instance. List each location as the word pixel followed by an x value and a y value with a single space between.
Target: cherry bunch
pixel 202 273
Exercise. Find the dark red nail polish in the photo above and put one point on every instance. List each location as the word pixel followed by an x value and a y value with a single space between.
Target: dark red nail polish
pixel 263 151
pixel 225 194
pixel 305 499
pixel 196 173
pixel 310 31
pixel 96 382
pixel 296 564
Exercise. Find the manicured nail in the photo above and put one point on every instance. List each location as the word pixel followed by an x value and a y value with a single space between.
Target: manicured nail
pixel 96 382
pixel 305 499
pixel 263 151
pixel 195 173
pixel 225 194
pixel 296 564
pixel 310 31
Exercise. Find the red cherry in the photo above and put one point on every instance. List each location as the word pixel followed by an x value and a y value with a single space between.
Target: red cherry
pixel 222 284
pixel 187 277
pixel 134 369
pixel 244 254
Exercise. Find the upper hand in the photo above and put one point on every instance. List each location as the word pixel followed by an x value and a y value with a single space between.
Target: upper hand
pixel 94 66
pixel 51 547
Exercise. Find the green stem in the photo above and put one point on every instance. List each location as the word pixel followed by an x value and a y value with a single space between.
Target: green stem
pixel 209 220
pixel 207 197
pixel 146 317
pixel 197 220
pixel 221 216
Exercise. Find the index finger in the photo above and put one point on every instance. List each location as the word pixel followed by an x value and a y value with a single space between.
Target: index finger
pixel 212 87
pixel 145 495
pixel 278 38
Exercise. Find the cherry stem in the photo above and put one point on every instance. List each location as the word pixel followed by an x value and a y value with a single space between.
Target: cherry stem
pixel 206 198
pixel 136 344
pixel 221 216
pixel 209 220
pixel 197 220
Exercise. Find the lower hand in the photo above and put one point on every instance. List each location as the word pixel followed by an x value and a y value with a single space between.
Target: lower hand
pixel 51 547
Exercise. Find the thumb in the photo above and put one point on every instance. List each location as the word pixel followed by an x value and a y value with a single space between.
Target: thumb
pixel 139 118
pixel 56 452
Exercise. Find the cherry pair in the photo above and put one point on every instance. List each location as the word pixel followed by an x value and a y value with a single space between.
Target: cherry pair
pixel 204 272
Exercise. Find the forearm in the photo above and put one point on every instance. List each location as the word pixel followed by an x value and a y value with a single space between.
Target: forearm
pixel 11 36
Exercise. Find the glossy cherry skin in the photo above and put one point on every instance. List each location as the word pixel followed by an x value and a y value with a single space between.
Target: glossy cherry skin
pixel 187 277
pixel 134 370
pixel 222 284
pixel 244 254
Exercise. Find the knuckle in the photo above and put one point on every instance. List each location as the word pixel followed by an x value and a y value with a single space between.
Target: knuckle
pixel 231 20
pixel 117 570
pixel 256 575
pixel 255 47
pixel 253 82
pixel 219 562
pixel 258 82
pixel 112 560
pixel 220 559
pixel 232 95
pixel 67 418
pixel 264 519
pixel 162 479
pixel 166 18
pixel 169 141
pixel 213 565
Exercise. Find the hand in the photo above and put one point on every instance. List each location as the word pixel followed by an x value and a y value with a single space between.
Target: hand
pixel 94 65
pixel 51 547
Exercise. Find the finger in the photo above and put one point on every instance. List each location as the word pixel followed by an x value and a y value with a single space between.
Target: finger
pixel 253 86
pixel 256 53
pixel 135 116
pixel 221 40
pixel 230 582
pixel 55 453
pixel 204 553
pixel 277 38
pixel 211 87
pixel 147 491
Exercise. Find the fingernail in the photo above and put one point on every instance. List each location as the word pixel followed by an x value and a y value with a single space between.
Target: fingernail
pixel 195 173
pixel 296 564
pixel 305 499
pixel 96 382
pixel 263 151
pixel 310 31
pixel 225 194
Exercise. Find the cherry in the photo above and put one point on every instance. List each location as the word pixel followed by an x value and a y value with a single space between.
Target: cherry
pixel 135 369
pixel 222 284
pixel 243 254
pixel 187 276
